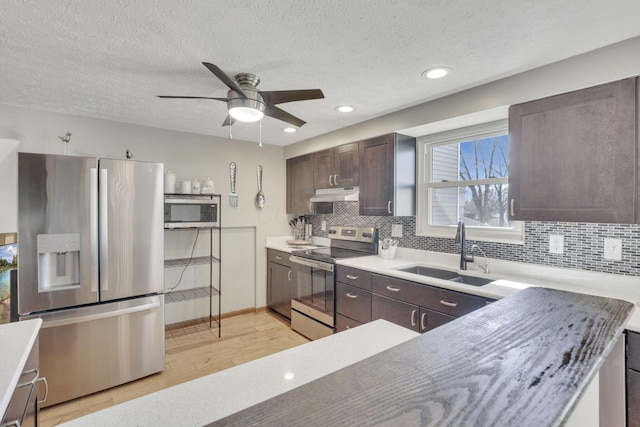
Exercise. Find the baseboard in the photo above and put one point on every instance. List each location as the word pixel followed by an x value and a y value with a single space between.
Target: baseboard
pixel 200 320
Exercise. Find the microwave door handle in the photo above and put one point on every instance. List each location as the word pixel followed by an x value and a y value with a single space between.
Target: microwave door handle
pixel 93 198
pixel 104 235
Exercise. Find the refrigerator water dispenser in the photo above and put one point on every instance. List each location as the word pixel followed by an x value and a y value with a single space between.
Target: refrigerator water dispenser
pixel 58 261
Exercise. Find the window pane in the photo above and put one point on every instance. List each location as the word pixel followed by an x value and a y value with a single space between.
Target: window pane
pixel 475 159
pixel 445 205
pixel 486 205
pixel 484 158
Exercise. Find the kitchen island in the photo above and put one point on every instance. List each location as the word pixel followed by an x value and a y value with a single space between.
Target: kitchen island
pixel 537 358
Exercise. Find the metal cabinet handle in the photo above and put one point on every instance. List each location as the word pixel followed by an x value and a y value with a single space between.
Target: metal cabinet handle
pixel 289 275
pixel 448 303
pixel 351 277
pixel 350 295
pixel 46 389
pixel 391 288
pixel 511 207
pixel 330 183
pixel 335 180
pixel 414 317
pixel 311 207
pixel 423 321
pixel 278 257
pixel 33 380
pixel 389 206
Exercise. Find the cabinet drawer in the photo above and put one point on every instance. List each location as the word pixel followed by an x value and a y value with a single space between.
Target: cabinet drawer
pixel 445 301
pixel 278 257
pixel 633 350
pixel 353 302
pixel 354 277
pixel 343 323
pixel 394 311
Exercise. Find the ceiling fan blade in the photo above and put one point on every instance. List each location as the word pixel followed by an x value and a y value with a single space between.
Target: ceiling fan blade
pixel 277 113
pixel 192 97
pixel 282 96
pixel 228 121
pixel 231 84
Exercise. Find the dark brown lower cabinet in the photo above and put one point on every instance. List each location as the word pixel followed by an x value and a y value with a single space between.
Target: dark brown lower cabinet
pixel 633 379
pixel 343 323
pixel 395 311
pixel 279 282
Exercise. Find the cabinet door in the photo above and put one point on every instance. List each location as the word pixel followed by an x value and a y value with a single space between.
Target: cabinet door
pixel 572 157
pixel 346 160
pixel 323 169
pixel 633 398
pixel 299 184
pixel 279 289
pixel 430 319
pixel 377 176
pixel 394 311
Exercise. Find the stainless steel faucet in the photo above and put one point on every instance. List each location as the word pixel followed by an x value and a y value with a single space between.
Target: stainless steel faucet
pixel 460 239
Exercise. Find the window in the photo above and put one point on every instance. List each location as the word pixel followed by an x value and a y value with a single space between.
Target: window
pixel 465 177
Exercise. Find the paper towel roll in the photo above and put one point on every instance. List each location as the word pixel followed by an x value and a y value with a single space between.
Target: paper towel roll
pixel 169 183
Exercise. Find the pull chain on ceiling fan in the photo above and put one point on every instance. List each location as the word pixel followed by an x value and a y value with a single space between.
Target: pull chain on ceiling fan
pixel 246 103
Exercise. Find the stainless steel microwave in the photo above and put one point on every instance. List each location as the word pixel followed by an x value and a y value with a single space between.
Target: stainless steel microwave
pixel 190 212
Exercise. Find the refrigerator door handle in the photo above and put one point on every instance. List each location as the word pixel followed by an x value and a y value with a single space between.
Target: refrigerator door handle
pixel 98 316
pixel 104 234
pixel 94 228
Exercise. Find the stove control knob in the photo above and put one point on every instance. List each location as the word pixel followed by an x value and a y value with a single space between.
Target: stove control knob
pixel 332 231
pixel 368 235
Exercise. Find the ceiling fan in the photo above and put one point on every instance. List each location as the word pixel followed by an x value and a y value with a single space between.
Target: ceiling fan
pixel 246 103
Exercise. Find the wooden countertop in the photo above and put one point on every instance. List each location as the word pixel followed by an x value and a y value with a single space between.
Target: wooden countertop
pixel 524 360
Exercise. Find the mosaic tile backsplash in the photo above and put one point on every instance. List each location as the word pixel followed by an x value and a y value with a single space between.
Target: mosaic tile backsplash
pixel 583 243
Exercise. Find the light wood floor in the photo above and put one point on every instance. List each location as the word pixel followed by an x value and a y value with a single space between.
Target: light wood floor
pixel 192 352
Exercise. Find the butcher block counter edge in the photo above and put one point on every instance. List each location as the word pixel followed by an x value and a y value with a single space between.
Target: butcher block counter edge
pixel 524 360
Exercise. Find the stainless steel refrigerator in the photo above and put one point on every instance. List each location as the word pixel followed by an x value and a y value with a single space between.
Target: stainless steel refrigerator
pixel 90 251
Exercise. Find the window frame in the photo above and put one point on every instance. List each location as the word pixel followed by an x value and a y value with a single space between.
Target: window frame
pixel 514 234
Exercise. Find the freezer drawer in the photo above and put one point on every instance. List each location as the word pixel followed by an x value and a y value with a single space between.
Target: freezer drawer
pixel 89 349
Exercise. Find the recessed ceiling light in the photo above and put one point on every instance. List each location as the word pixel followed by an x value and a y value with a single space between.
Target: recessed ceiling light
pixel 436 73
pixel 289 130
pixel 345 108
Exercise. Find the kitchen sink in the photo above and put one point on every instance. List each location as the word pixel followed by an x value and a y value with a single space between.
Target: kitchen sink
pixel 446 275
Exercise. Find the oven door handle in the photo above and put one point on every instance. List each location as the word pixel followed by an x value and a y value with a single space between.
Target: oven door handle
pixel 311 263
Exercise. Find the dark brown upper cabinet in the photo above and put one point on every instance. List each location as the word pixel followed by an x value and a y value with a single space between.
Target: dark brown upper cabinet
pixel 388 176
pixel 336 167
pixel 300 184
pixel 573 157
pixel 300 188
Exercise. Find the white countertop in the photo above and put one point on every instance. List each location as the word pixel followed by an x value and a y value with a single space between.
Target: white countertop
pixel 16 341
pixel 204 400
pixel 511 277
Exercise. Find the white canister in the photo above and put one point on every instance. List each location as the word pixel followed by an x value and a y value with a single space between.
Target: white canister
pixel 185 187
pixel 195 186
pixel 169 183
pixel 207 188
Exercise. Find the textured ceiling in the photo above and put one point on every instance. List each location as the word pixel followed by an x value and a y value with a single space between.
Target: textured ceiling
pixel 109 59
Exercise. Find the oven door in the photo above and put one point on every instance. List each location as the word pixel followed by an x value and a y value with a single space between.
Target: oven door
pixel 313 297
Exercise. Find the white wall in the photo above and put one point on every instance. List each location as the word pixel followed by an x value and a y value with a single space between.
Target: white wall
pixel 188 156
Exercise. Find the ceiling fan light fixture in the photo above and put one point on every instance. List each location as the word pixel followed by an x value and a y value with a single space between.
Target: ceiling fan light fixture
pixel 246 114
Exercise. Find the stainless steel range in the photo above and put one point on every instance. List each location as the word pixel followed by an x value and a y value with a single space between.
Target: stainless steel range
pixel 313 285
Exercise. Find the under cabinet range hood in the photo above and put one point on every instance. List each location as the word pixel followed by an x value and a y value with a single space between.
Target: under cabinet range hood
pixel 347 194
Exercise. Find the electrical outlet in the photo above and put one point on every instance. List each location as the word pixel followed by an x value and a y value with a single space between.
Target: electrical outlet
pixel 556 244
pixel 396 230
pixel 323 226
pixel 613 249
